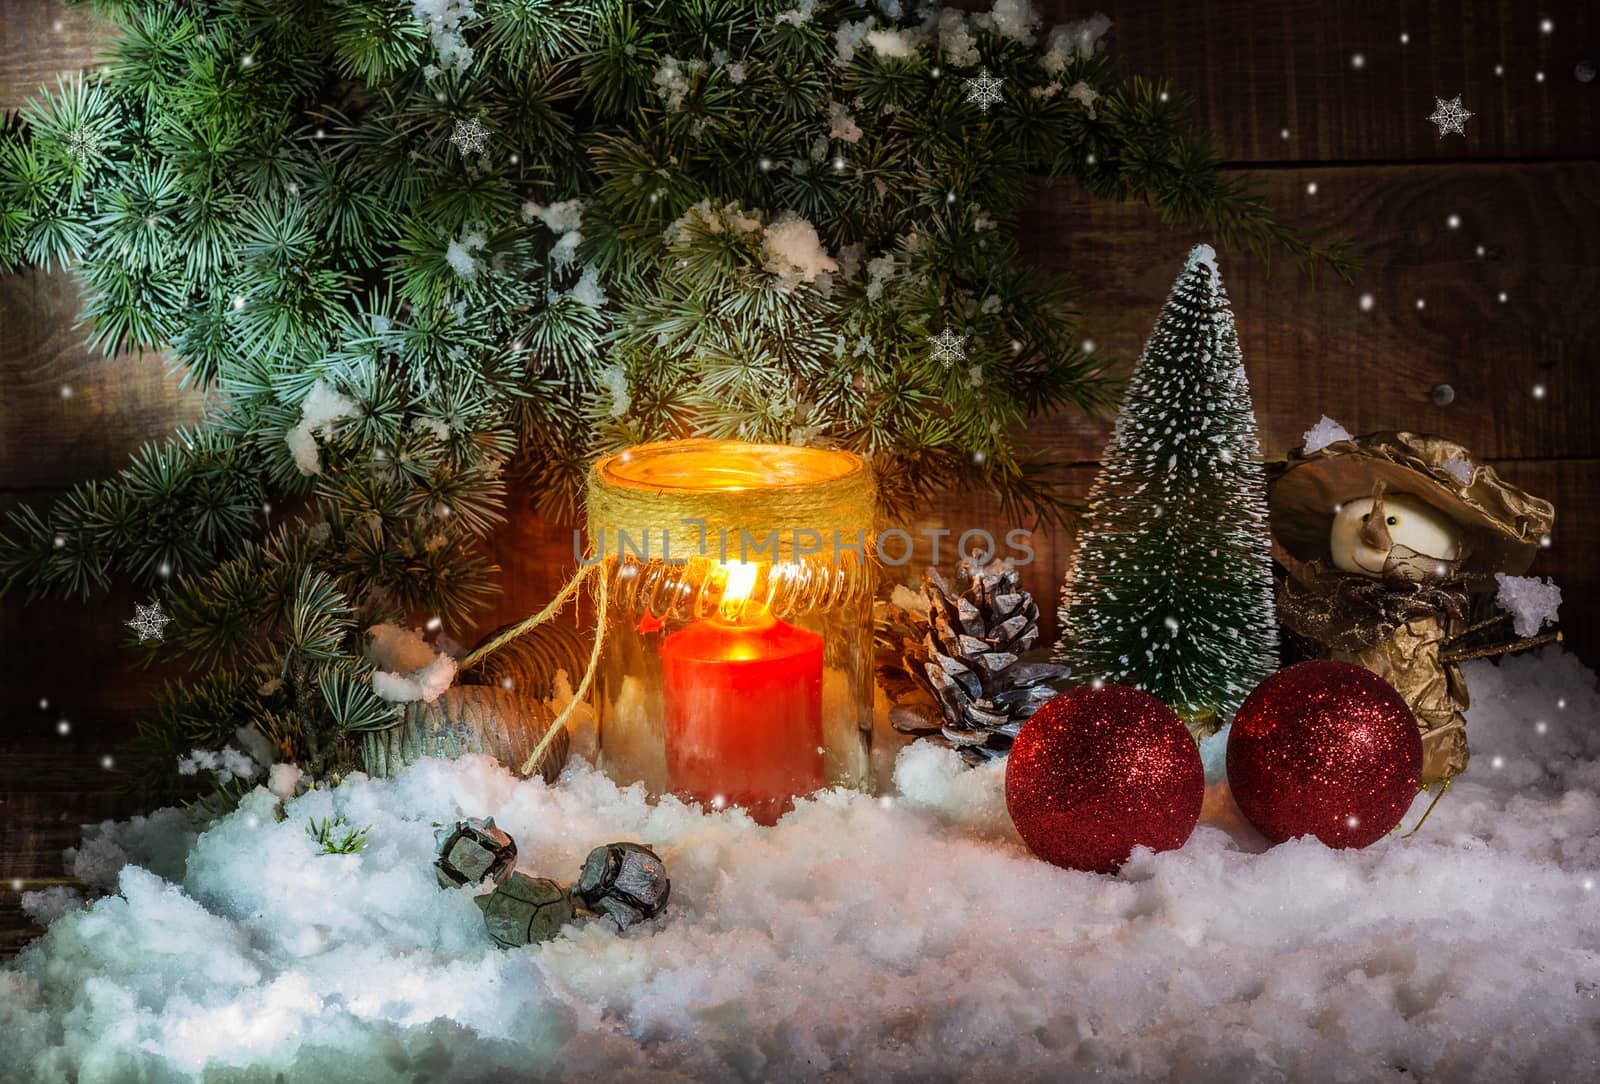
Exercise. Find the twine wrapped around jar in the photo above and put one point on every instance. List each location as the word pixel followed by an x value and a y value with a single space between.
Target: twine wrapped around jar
pixel 666 519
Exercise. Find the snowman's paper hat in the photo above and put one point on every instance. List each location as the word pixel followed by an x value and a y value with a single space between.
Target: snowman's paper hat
pixel 1501 525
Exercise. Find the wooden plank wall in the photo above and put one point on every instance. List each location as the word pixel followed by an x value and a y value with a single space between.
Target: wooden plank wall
pixel 1279 86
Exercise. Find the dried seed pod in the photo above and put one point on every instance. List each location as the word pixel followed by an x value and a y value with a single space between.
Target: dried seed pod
pixel 526 910
pixel 473 851
pixel 626 881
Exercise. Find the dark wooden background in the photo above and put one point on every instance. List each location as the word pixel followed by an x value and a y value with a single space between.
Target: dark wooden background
pixel 1279 86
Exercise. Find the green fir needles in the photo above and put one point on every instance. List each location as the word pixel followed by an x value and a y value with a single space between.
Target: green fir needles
pixel 421 249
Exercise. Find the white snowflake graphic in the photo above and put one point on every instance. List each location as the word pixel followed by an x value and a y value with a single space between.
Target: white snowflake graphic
pixel 470 137
pixel 983 90
pixel 1450 116
pixel 148 621
pixel 83 144
pixel 948 347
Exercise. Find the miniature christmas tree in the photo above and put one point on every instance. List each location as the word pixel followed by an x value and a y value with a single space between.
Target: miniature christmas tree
pixel 1171 587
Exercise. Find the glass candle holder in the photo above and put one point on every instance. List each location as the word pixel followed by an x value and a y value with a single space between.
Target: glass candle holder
pixel 736 665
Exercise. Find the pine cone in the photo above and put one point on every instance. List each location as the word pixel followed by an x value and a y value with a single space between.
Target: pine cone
pixel 956 670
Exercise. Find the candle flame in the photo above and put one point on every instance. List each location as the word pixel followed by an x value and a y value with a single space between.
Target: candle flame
pixel 736 591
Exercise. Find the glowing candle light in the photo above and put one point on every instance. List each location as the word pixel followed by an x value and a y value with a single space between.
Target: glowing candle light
pixel 742 696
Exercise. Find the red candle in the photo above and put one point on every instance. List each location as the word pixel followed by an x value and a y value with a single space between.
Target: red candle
pixel 743 708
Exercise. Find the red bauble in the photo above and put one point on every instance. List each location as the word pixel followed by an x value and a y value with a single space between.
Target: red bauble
pixel 1097 772
pixel 1327 749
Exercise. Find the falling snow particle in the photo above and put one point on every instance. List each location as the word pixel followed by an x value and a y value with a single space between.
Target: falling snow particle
pixel 1583 71
pixel 1450 116
pixel 1539 391
pixel 1367 301
pixel 1442 395
pixel 1358 61
pixel 148 621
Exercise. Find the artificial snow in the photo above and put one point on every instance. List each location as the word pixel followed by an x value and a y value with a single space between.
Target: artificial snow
pixel 408 668
pixel 848 38
pixel 1532 602
pixel 320 412
pixel 1072 41
pixel 956 41
pixel 443 21
pixel 48 904
pixel 1459 468
pixel 588 290
pixel 614 379
pixel 223 765
pixel 1084 95
pixel 672 81
pixel 459 254
pixel 902 937
pixel 798 15
pixel 895 43
pixel 841 125
pixel 1325 432
pixel 1014 19
pixel 794 251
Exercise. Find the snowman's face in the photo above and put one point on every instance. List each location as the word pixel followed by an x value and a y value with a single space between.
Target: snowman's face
pixel 1359 545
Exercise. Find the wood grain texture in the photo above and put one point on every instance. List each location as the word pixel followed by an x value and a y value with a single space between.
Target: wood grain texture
pixel 67 414
pixel 1309 346
pixel 1256 68
pixel 43 39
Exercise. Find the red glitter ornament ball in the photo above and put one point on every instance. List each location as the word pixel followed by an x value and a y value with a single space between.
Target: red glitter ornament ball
pixel 1097 772
pixel 1327 749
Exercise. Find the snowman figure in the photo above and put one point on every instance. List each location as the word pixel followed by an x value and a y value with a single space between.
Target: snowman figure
pixel 1382 540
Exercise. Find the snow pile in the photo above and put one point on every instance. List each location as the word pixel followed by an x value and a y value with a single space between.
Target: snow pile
pixel 320 411
pixel 902 937
pixel 1531 602
pixel 1325 432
